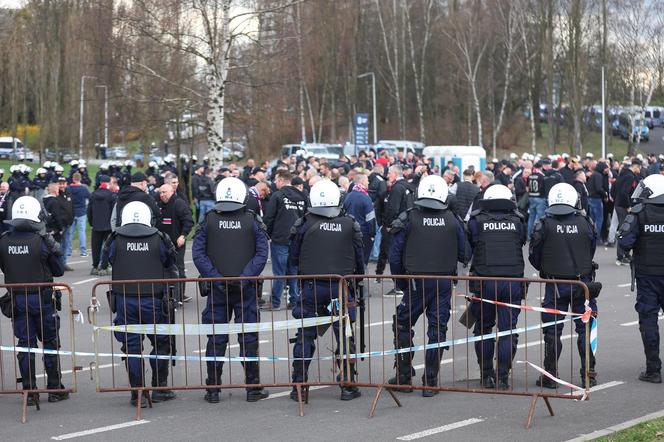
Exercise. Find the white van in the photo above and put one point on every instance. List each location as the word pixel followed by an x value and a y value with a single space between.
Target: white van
pixel 462 156
pixel 7 146
pixel 405 146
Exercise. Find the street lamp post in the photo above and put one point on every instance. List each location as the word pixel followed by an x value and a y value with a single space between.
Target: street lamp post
pixel 105 114
pixel 80 130
pixel 373 95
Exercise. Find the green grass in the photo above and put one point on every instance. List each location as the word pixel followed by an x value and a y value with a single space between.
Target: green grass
pixel 592 142
pixel 648 431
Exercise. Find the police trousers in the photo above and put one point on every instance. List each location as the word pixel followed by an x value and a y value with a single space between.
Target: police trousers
pixel 224 303
pixel 35 318
pixel 649 302
pixel 314 301
pixel 487 316
pixel 144 309
pixel 433 297
pixel 564 297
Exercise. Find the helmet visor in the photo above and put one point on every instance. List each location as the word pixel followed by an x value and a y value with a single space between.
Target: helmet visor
pixel 641 192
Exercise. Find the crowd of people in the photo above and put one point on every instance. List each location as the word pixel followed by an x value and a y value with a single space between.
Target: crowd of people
pixel 317 217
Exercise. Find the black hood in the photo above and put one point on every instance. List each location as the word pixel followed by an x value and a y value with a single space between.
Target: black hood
pixel 25 225
pixel 135 230
pixel 293 193
pixel 125 195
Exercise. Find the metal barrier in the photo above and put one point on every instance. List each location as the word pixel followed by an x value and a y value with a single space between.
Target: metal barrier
pixel 34 314
pixel 431 308
pixel 195 336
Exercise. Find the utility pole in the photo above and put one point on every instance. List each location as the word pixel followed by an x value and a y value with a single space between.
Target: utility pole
pixel 373 96
pixel 80 130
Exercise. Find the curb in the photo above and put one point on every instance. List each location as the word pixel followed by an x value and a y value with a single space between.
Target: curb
pixel 618 427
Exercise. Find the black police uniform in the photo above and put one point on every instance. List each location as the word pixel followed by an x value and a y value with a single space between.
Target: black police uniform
pixel 322 245
pixel 139 252
pixel 427 241
pixel 643 232
pixel 562 246
pixel 27 256
pixel 497 235
pixel 241 231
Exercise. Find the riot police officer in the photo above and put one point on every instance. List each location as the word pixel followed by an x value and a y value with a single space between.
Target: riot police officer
pixel 643 231
pixel 136 250
pixel 497 234
pixel 562 246
pixel 229 226
pixel 29 255
pixel 323 242
pixel 429 239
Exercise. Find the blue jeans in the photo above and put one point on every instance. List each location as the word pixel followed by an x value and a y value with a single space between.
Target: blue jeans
pixel 280 267
pixel 79 228
pixel 596 210
pixel 67 239
pixel 204 206
pixel 536 208
pixel 375 251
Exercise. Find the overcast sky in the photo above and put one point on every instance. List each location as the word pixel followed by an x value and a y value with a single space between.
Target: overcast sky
pixel 10 3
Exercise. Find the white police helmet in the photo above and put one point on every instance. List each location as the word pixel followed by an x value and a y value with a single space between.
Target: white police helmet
pixel 325 198
pixel 26 207
pixel 650 189
pixel 59 168
pixel 152 164
pixel 129 163
pixel 13 168
pixel 73 163
pixel 498 197
pixel 47 164
pixel 432 192
pixel 231 193
pixel 136 212
pixel 41 170
pixel 103 166
pixel 563 199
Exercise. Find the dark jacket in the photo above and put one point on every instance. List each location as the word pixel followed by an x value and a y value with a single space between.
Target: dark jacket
pixel 625 185
pixel 583 194
pixel 175 218
pixel 596 184
pixel 56 216
pixel 398 200
pixel 132 193
pixel 202 188
pixel 465 195
pixel 67 206
pixel 378 193
pixel 79 198
pixel 100 209
pixel 285 206
pixel 359 206
pixel 204 264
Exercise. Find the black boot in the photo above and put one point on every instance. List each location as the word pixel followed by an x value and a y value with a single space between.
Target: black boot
pixel 54 380
pixel 162 395
pixel 653 363
pixel 134 399
pixel 252 375
pixel 348 393
pixel 551 352
pixel 431 369
pixel 214 370
pixel 405 371
pixel 488 379
pixel 503 383
pixel 652 377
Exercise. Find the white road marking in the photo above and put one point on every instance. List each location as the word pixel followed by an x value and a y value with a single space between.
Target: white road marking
pixel 373 324
pixel 287 393
pixel 100 430
pixel 448 427
pixel 624 285
pixel 233 346
pixel 606 385
pixel 188 262
pixel 629 324
pixel 85 281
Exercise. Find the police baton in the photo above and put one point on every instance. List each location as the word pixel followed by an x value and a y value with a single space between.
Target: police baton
pixel 632 274
pixel 361 305
pixel 170 302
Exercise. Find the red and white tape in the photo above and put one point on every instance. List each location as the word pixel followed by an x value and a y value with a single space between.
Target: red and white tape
pixel 585 316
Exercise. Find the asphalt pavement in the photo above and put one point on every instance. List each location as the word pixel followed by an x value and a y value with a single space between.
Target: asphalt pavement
pixel 456 416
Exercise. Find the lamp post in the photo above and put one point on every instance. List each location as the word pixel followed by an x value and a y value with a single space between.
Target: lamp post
pixel 80 130
pixel 373 96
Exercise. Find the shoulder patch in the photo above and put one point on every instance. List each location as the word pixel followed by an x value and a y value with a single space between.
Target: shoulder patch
pixel 637 208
